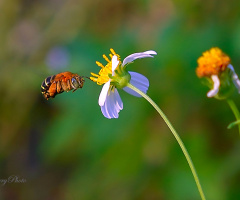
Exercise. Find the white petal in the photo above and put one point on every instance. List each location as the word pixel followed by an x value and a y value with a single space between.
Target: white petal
pixel 104 112
pixel 103 94
pixel 235 78
pixel 112 105
pixel 139 81
pixel 118 100
pixel 135 56
pixel 151 52
pixel 115 63
pixel 216 84
pixel 107 107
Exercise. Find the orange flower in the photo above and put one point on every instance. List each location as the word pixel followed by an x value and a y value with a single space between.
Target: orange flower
pixel 212 62
pixel 215 66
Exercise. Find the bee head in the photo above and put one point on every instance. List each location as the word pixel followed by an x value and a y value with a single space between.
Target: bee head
pixel 77 82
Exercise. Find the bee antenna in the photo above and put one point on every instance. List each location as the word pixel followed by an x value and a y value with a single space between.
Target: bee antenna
pixel 86 77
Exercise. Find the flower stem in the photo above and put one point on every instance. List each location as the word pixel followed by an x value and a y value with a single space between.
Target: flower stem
pixel 235 111
pixel 174 132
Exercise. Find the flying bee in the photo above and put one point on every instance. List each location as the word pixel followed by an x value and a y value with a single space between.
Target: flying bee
pixel 61 82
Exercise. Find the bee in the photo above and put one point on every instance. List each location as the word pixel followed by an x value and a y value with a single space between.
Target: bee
pixel 61 82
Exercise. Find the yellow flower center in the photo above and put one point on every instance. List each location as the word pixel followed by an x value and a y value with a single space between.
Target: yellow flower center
pixel 212 62
pixel 103 75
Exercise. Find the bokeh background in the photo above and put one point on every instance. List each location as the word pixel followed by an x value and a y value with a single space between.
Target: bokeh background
pixel 65 149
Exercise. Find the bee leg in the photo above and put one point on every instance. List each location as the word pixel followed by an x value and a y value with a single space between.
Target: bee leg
pixel 52 90
pixel 59 87
pixel 70 86
pixel 67 86
pixel 64 86
pixel 46 95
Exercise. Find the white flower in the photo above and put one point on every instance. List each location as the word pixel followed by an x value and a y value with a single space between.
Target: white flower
pixel 109 99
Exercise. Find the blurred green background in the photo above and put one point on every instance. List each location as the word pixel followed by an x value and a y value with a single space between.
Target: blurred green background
pixel 65 149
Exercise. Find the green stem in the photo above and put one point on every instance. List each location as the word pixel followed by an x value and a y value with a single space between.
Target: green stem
pixel 185 152
pixel 235 111
pixel 233 124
